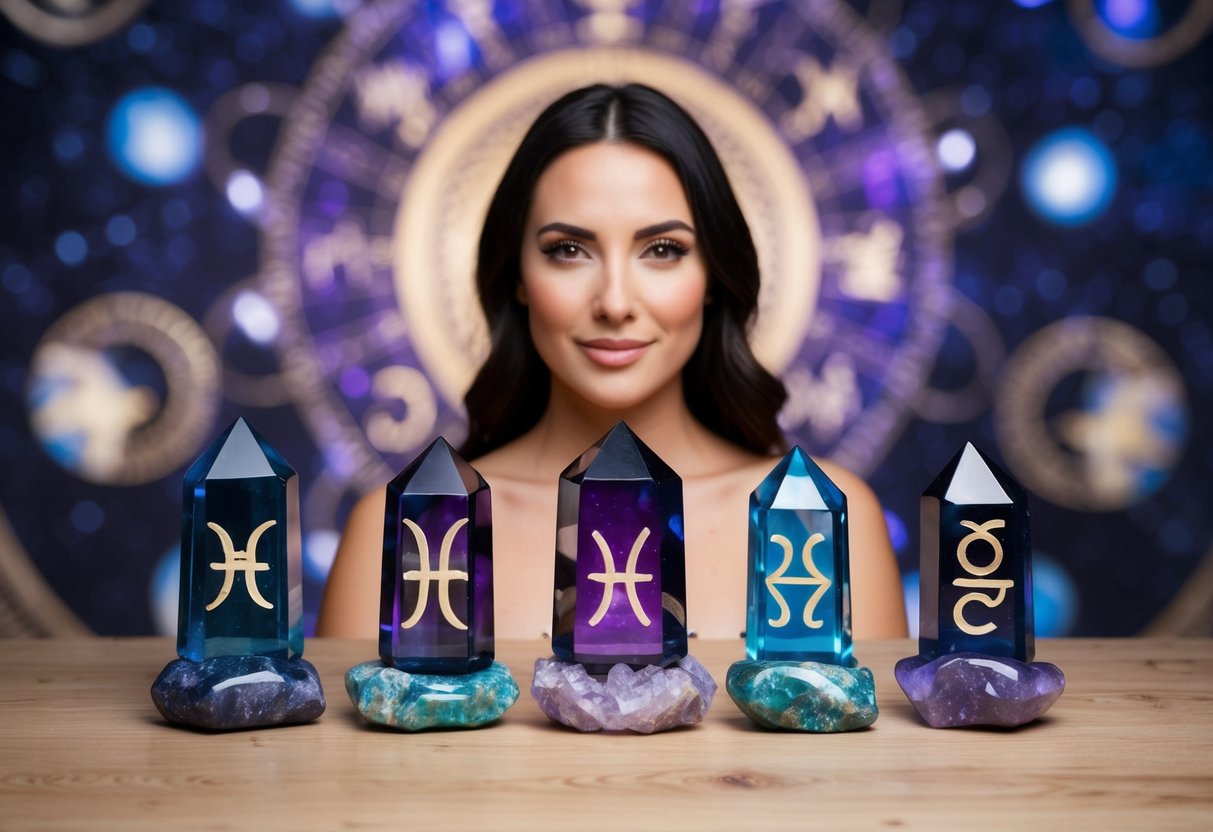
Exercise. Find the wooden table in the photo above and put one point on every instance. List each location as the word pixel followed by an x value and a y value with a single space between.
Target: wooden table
pixel 1128 746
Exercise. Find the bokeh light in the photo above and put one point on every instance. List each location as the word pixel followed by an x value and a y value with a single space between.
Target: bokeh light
pixel 1069 177
pixel 71 248
pixel 256 317
pixel 314 8
pixel 956 150
pixel 154 137
pixel 244 192
pixel 1054 597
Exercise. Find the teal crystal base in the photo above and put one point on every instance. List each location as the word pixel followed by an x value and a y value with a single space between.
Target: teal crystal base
pixel 798 596
pixel 811 697
pixel 241 552
pixel 406 701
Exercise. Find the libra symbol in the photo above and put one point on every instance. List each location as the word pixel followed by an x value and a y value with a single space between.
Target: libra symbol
pixel 629 578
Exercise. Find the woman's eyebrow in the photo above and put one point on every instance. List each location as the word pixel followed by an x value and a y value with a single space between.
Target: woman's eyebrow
pixel 662 228
pixel 571 230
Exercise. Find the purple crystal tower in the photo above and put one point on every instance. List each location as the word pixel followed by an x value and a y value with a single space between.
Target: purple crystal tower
pixel 976 575
pixel 436 610
pixel 620 588
pixel 241 553
pixel 799 586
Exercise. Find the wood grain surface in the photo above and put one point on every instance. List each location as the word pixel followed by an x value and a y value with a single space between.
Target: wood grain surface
pixel 1128 746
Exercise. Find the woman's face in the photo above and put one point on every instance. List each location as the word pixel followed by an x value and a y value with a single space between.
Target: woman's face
pixel 612 276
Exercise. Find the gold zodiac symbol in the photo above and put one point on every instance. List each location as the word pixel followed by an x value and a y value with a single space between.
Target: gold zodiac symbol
pixel 979 532
pixel 444 575
pixel 629 578
pixel 245 561
pixel 815 578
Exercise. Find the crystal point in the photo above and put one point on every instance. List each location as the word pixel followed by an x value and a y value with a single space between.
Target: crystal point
pixel 975 573
pixel 241 558
pixel 620 578
pixel 799 603
pixel 436 608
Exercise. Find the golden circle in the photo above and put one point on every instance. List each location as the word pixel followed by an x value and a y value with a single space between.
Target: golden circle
pixel 447 196
pixel 969 401
pixel 172 435
pixel 1141 52
pixel 1059 350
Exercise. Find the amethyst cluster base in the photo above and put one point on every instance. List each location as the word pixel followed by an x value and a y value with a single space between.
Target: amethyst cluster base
pixel 961 689
pixel 646 701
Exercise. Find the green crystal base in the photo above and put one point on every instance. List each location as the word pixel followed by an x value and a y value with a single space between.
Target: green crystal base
pixel 422 701
pixel 803 696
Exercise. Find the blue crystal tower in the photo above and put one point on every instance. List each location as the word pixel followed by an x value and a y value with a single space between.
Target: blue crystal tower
pixel 620 584
pixel 976 575
pixel 436 609
pixel 799 590
pixel 241 567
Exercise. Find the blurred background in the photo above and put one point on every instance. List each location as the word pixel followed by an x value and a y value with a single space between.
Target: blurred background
pixel 980 220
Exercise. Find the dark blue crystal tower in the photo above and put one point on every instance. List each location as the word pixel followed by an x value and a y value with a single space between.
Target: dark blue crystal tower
pixel 241 567
pixel 436 610
pixel 620 584
pixel 976 574
pixel 799 597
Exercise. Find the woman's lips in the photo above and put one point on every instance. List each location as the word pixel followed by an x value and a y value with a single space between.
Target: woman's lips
pixel 614 352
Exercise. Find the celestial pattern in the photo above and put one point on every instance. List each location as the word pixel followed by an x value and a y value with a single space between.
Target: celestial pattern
pixel 996 81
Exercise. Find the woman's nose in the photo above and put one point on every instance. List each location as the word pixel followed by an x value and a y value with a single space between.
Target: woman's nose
pixel 614 301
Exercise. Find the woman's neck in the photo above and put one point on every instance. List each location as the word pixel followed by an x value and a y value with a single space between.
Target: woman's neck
pixel 569 425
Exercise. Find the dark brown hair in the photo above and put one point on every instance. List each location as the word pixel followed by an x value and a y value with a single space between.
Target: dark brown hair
pixel 725 387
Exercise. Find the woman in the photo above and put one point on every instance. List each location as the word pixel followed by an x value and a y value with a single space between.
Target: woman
pixel 619 279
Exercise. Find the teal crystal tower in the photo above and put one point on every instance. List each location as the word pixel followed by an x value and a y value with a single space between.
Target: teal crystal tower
pixel 976 573
pixel 620 579
pixel 436 607
pixel 799 597
pixel 241 566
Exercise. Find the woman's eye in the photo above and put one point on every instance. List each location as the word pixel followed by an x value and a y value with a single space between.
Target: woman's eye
pixel 563 250
pixel 666 250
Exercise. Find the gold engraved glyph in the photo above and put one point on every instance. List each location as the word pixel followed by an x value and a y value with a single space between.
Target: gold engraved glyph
pixel 244 561
pixel 629 578
pixel 814 578
pixel 443 575
pixel 979 532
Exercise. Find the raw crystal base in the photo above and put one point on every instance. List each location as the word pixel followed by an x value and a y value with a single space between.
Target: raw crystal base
pixel 974 689
pixel 229 692
pixel 420 701
pixel 804 696
pixel 646 701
